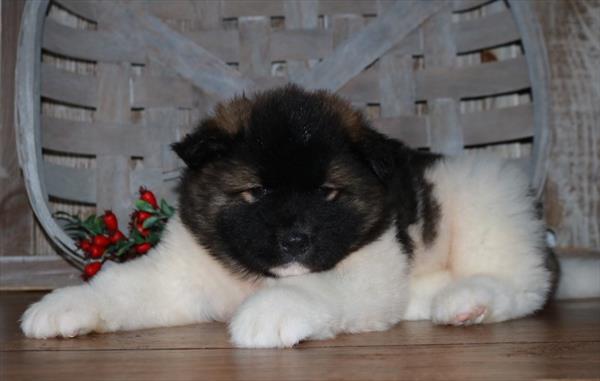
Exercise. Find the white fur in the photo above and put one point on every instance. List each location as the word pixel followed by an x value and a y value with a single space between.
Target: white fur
pixel 290 269
pixel 176 283
pixel 354 297
pixel 487 256
pixel 485 265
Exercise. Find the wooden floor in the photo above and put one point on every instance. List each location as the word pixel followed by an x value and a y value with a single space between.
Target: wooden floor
pixel 563 342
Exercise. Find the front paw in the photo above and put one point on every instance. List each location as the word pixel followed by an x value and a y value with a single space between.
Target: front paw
pixel 66 312
pixel 278 318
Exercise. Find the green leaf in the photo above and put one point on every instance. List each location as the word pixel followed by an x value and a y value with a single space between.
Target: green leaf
pixel 144 206
pixel 166 209
pixel 124 249
pixel 149 222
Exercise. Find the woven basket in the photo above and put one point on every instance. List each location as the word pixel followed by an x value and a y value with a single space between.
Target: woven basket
pixel 104 87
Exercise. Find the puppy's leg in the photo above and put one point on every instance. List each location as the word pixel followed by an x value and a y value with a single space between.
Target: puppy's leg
pixel 495 248
pixel 365 292
pixel 176 283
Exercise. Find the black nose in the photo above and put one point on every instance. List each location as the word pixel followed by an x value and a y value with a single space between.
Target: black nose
pixel 294 243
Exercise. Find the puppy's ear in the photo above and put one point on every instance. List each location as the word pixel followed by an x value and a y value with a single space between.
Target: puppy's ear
pixel 384 155
pixel 205 143
pixel 215 135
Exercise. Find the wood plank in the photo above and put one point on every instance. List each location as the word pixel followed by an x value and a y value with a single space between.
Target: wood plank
pixel 163 91
pixel 397 85
pixel 301 44
pixel 112 174
pixel 255 54
pixel 485 32
pixel 36 273
pixel 90 45
pixel 173 50
pixel 16 218
pixel 84 9
pixel 224 44
pixel 147 91
pixel 67 183
pixel 502 362
pixel 67 87
pixel 570 33
pixel 484 127
pixel 81 185
pixel 411 130
pixel 246 8
pixel 27 126
pixel 469 5
pixel 351 57
pixel 299 16
pixel 473 81
pixel 499 125
pixel 109 138
pixel 560 322
pixel 107 46
pixel 445 129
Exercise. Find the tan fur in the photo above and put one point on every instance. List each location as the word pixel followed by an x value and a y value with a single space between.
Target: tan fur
pixel 352 119
pixel 232 116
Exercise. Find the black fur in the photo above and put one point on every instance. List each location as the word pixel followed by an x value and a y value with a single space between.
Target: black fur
pixel 286 155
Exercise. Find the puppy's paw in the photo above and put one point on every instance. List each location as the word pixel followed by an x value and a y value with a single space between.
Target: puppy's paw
pixel 279 317
pixel 462 304
pixel 66 312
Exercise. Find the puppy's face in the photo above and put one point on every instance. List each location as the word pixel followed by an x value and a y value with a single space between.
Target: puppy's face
pixel 284 183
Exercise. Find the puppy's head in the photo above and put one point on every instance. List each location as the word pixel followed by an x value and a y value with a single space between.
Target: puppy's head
pixel 285 182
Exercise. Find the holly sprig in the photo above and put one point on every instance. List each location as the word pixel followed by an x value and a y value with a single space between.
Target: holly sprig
pixel 100 239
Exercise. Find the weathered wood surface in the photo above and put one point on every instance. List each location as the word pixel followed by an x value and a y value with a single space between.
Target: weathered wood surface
pixel 36 273
pixel 188 57
pixel 16 218
pixel 364 47
pixel 302 44
pixel 27 123
pixel 445 131
pixel 572 31
pixel 562 342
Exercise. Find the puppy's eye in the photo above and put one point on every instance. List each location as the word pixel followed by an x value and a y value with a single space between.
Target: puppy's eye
pixel 254 194
pixel 329 193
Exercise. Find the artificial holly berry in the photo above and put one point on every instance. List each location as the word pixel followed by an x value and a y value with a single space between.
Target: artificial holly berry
pixel 141 216
pixel 85 245
pixel 142 248
pixel 148 196
pixel 100 240
pixel 96 251
pixel 139 226
pixel 110 221
pixel 116 237
pixel 92 268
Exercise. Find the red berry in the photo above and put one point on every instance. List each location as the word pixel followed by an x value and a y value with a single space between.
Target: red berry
pixel 92 268
pixel 96 251
pixel 101 240
pixel 142 248
pixel 148 196
pixel 116 237
pixel 110 221
pixel 85 245
pixel 142 216
pixel 140 228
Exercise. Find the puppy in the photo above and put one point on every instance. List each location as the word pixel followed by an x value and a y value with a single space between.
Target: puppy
pixel 298 221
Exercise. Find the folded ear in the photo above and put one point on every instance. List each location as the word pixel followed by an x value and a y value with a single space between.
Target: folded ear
pixel 383 154
pixel 206 142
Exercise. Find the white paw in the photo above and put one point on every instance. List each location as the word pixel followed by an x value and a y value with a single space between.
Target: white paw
pixel 462 304
pixel 66 312
pixel 279 317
